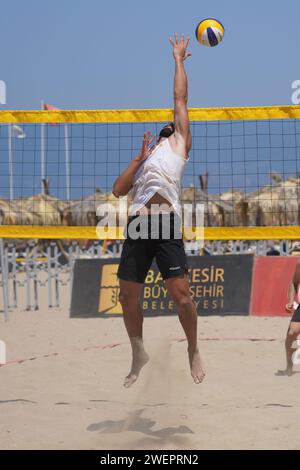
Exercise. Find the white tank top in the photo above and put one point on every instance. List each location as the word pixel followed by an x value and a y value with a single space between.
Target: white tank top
pixel 160 173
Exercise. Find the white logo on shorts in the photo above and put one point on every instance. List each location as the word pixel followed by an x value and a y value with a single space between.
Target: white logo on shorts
pixel 2 353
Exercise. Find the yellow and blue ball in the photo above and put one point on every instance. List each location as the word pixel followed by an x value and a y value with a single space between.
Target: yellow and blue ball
pixel 210 32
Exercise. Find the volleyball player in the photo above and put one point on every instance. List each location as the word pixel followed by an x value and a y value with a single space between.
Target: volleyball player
pixel 154 178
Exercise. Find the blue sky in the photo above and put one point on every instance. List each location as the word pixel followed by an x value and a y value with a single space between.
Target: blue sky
pixel 91 54
pixel 115 54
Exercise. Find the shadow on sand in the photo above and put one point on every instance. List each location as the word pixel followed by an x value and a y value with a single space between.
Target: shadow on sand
pixel 135 422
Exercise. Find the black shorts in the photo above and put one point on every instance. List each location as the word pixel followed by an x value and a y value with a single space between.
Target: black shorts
pixel 138 254
pixel 296 316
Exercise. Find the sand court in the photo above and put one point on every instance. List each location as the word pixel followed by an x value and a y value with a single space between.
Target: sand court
pixel 68 394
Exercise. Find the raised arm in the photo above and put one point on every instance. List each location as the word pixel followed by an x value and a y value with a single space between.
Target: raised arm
pixel 181 117
pixel 124 182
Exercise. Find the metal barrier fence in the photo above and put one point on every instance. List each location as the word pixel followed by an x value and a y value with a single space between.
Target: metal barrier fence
pixel 26 270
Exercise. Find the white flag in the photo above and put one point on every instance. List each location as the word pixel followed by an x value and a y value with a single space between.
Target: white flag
pixel 17 131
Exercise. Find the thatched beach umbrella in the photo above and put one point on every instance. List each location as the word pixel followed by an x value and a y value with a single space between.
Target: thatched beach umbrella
pixel 84 212
pixel 40 209
pixel 276 205
pixel 8 212
pixel 237 199
pixel 216 211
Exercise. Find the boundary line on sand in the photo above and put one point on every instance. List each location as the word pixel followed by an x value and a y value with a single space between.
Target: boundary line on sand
pixel 114 345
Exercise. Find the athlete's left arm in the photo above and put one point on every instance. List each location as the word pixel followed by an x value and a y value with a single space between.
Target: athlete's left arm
pixel 181 117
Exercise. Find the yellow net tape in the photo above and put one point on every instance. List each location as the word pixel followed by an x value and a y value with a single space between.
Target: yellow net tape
pixel 149 115
pixel 210 233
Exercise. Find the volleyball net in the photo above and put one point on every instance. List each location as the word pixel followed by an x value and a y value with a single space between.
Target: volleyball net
pixel 57 167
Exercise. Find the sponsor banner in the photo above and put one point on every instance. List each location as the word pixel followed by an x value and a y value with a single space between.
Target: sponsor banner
pixel 219 285
pixel 85 287
pixel 271 278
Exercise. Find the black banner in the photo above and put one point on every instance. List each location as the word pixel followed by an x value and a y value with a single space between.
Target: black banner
pixel 219 285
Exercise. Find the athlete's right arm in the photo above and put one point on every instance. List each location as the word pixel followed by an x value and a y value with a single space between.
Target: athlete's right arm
pixel 124 182
pixel 181 116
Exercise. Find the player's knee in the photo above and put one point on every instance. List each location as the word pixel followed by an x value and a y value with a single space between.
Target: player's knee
pixel 293 332
pixel 123 298
pixel 126 299
pixel 184 301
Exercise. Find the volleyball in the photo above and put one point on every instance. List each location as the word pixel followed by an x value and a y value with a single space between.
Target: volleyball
pixel 210 32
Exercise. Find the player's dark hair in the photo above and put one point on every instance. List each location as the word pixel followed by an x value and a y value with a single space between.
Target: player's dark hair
pixel 167 130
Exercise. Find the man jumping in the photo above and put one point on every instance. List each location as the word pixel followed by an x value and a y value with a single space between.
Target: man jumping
pixel 154 179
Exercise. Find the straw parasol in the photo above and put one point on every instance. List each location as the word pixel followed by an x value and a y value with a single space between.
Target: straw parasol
pixel 8 212
pixel 276 205
pixel 40 209
pixel 84 212
pixel 217 212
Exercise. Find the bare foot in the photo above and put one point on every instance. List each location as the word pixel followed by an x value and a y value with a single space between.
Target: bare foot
pixel 197 371
pixel 288 372
pixel 139 359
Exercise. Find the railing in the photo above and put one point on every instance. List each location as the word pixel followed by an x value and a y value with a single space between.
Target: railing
pixel 35 269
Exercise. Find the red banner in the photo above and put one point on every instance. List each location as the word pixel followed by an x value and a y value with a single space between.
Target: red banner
pixel 271 278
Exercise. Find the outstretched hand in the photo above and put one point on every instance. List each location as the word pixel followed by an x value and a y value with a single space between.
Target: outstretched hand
pixel 147 147
pixel 180 47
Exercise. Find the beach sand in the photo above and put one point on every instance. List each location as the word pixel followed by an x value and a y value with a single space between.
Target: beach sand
pixel 68 393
